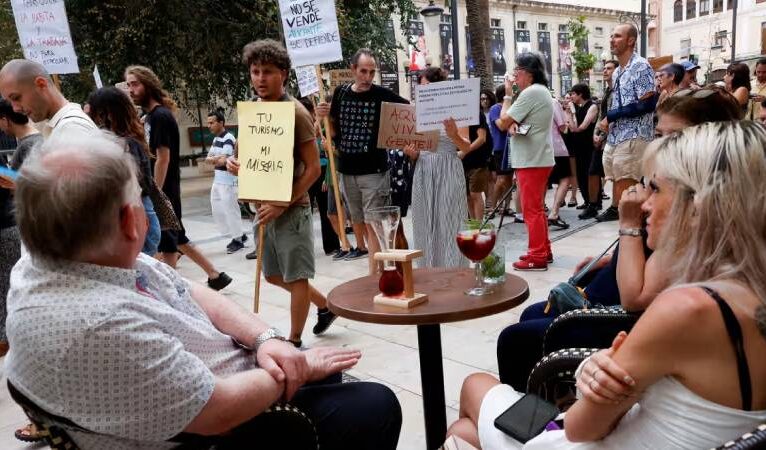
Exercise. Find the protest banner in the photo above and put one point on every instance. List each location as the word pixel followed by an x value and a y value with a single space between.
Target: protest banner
pixel 397 128
pixel 339 77
pixel 44 34
pixel 308 83
pixel 311 31
pixel 265 154
pixel 437 102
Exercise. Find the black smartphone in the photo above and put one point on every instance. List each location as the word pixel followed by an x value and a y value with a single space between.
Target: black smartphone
pixel 526 418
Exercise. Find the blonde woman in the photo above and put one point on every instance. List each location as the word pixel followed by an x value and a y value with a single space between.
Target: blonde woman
pixel 691 374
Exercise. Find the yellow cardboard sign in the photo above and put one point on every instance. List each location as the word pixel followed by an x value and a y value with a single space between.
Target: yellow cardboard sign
pixel 266 140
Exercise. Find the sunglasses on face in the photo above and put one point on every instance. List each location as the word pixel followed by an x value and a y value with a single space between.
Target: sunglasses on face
pixel 695 93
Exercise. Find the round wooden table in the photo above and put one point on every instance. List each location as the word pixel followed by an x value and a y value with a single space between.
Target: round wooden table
pixel 447 302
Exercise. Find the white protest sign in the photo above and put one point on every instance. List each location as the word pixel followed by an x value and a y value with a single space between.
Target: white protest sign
pixel 311 31
pixel 97 77
pixel 437 102
pixel 44 34
pixel 307 80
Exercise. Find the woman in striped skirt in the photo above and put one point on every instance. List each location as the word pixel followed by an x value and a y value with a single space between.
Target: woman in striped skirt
pixel 439 204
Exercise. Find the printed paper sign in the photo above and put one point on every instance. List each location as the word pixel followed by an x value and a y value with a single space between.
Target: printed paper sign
pixel 339 77
pixel 266 139
pixel 44 34
pixel 437 102
pixel 397 128
pixel 97 77
pixel 307 80
pixel 311 31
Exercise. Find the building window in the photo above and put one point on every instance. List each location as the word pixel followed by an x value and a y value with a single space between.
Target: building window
pixel 494 23
pixel 691 9
pixel 719 39
pixel 704 7
pixel 730 4
pixel 678 11
pixel 717 6
pixel 763 34
pixel 598 31
pixel 446 18
pixel 521 25
pixel 564 28
pixel 542 27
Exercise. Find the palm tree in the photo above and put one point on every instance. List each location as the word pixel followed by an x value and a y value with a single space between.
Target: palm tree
pixel 477 16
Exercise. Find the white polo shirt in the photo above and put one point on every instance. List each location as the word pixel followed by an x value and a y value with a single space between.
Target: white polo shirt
pixel 71 115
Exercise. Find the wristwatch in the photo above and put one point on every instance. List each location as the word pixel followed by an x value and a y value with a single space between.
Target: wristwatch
pixel 634 232
pixel 271 333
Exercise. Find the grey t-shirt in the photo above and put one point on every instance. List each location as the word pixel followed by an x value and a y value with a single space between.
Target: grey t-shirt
pixel 533 107
pixel 23 148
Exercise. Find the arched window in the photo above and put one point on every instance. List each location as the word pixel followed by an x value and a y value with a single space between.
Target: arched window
pixel 691 9
pixel 678 11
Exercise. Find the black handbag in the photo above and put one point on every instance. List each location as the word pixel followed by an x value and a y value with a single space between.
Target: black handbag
pixel 568 296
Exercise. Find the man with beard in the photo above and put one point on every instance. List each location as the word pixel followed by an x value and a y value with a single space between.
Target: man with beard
pixel 162 135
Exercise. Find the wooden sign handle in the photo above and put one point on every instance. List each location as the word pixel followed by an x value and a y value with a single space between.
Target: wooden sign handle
pixel 258 266
pixel 333 174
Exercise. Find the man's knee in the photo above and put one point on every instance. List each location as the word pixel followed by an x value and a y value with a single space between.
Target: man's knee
pixel 276 280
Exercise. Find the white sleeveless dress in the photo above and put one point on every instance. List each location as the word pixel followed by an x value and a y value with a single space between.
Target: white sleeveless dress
pixel 668 416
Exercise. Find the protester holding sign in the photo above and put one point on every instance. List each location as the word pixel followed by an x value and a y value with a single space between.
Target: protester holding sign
pixel 288 245
pixel 439 203
pixel 355 115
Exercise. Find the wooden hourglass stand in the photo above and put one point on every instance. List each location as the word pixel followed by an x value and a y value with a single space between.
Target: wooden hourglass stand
pixel 409 297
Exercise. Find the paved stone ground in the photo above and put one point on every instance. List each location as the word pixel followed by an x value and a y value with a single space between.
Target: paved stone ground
pixel 389 352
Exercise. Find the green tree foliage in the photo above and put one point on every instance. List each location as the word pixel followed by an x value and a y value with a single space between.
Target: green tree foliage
pixel 583 61
pixel 195 46
pixel 9 43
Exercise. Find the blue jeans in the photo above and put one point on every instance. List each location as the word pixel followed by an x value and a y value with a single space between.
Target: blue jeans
pixel 152 239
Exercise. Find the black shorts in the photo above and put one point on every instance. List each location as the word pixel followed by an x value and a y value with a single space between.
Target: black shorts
pixel 596 167
pixel 561 169
pixel 171 239
pixel 500 163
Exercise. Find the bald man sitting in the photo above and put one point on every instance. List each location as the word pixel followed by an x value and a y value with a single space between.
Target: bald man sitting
pixel 121 345
pixel 29 88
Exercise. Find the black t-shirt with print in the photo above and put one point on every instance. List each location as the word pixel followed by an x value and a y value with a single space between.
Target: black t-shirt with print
pixel 162 131
pixel 357 118
pixel 479 157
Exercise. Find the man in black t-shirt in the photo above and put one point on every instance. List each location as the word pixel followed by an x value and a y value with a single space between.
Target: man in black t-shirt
pixel 355 117
pixel 162 135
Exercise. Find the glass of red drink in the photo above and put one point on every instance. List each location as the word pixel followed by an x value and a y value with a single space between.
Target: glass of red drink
pixel 476 245
pixel 384 222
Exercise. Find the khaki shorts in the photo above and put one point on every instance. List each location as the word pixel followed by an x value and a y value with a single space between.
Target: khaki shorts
pixel 365 192
pixel 477 180
pixel 288 246
pixel 623 161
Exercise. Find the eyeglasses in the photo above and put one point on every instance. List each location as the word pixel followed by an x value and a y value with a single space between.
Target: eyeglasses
pixel 696 93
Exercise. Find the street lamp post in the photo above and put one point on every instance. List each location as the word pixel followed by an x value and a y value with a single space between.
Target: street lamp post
pixel 733 31
pixel 643 28
pixel 433 12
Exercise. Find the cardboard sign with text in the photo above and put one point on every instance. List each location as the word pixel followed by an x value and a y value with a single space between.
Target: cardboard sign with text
pixel 308 83
pixel 397 128
pixel 437 102
pixel 311 31
pixel 266 139
pixel 339 77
